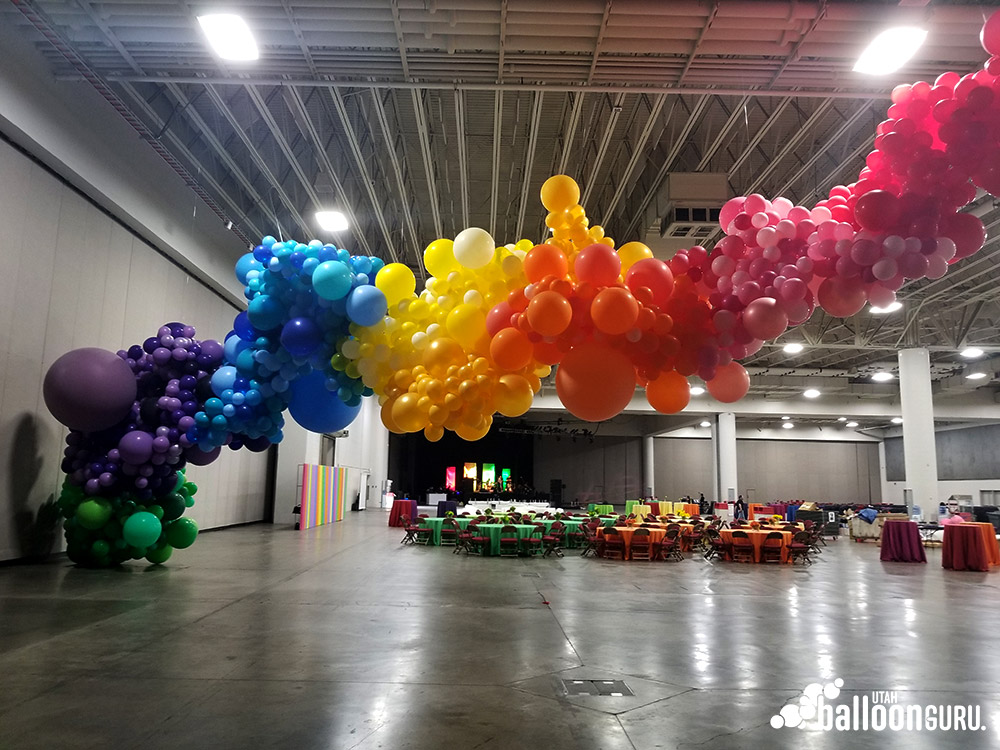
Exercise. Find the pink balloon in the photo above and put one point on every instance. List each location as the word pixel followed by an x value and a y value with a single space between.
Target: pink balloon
pixel 730 210
pixel 841 297
pixel 885 269
pixel 756 203
pixel 793 289
pixel 913 265
pixel 936 266
pixel 880 296
pixel 764 318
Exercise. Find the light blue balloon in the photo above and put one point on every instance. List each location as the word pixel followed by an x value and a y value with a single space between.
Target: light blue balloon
pixel 366 306
pixel 233 347
pixel 245 264
pixel 265 313
pixel 223 378
pixel 332 280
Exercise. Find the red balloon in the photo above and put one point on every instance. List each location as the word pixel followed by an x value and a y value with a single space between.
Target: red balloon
pixel 595 382
pixel 598 264
pixel 653 274
pixel 877 210
pixel 764 318
pixel 498 318
pixel 841 297
pixel 730 384
pixel 669 393
pixel 966 231
pixel 989 37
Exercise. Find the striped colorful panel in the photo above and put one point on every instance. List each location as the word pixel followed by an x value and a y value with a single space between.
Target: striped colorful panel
pixel 324 493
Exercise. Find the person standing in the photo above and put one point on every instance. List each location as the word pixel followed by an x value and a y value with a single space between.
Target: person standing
pixel 741 508
pixel 703 505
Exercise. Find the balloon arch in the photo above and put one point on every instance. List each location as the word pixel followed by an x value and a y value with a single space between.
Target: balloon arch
pixel 324 329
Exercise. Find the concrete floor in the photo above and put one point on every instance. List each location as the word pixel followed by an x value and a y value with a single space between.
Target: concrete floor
pixel 339 638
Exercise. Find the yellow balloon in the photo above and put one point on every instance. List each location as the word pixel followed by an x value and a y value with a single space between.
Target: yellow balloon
pixel 472 434
pixel 633 252
pixel 513 395
pixel 387 418
pixel 466 324
pixel 439 258
pixel 407 414
pixel 396 282
pixel 433 433
pixel 559 192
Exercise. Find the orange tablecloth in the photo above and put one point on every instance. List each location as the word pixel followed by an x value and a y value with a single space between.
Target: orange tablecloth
pixel 655 535
pixel 967 547
pixel 757 540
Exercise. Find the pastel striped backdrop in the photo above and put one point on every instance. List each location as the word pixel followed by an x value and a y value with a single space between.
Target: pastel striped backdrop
pixel 324 489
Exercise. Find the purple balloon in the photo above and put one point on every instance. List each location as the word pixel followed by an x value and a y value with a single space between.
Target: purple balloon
pixel 198 457
pixel 136 447
pixel 211 352
pixel 89 389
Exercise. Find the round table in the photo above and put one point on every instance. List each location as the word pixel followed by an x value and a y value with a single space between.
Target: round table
pixel 435 525
pixel 492 530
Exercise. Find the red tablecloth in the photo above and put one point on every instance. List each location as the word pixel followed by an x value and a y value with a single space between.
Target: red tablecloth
pixel 969 546
pixel 402 508
pixel 901 542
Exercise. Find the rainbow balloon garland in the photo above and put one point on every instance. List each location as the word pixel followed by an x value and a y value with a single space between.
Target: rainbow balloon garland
pixel 324 329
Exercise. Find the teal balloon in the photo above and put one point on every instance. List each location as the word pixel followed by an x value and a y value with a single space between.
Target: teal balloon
pixel 142 529
pixel 265 312
pixel 182 533
pixel 332 280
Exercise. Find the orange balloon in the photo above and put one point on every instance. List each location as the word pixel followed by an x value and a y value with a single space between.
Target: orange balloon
pixel 511 349
pixel 549 313
pixel 472 434
pixel 730 384
pixel 545 260
pixel 407 414
pixel 441 353
pixel 614 310
pixel 387 420
pixel 547 353
pixel 669 393
pixel 595 382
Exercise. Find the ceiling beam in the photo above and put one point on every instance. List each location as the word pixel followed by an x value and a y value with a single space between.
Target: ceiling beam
pixel 529 160
pixel 570 131
pixel 423 133
pixel 602 148
pixel 793 54
pixel 638 152
pixel 600 40
pixel 463 155
pixel 495 178
pixel 713 11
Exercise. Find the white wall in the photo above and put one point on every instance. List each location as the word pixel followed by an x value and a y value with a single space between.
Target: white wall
pixel 73 277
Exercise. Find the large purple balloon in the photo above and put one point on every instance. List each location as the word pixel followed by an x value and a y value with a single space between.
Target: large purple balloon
pixel 89 389
pixel 198 457
pixel 136 447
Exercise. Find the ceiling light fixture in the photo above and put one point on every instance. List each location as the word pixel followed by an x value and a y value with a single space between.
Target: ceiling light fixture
pixel 897 420
pixel 882 377
pixel 971 352
pixel 851 424
pixel 890 50
pixel 706 424
pixel 697 390
pixel 331 221
pixel 975 376
pixel 785 419
pixel 890 308
pixel 787 425
pixel 229 36
pixel 792 348
pixel 811 393
pixel 841 419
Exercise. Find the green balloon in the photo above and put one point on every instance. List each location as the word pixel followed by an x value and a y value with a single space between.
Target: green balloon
pixel 100 548
pixel 173 506
pixel 159 555
pixel 142 529
pixel 93 514
pixel 182 533
pixel 156 510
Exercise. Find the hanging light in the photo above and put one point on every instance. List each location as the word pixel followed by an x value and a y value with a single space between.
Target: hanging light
pixel 331 221
pixel 890 50
pixel 230 37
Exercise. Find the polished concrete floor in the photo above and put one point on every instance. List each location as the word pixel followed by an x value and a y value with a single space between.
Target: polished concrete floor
pixel 341 638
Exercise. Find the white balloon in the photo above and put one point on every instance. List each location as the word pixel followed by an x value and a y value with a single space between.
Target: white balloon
pixel 474 247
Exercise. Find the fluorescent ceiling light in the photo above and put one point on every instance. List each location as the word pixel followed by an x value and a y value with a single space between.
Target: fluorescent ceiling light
pixel 331 221
pixel 890 308
pixel 229 36
pixel 793 348
pixel 841 419
pixel 706 424
pixel 788 425
pixel 890 50
pixel 851 424
pixel 811 393
pixel 697 390
pixel 785 419
pixel 971 352
pixel 897 420
pixel 975 376
pixel 882 377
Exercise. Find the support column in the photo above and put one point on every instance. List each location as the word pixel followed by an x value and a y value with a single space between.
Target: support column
pixel 648 467
pixel 724 443
pixel 919 451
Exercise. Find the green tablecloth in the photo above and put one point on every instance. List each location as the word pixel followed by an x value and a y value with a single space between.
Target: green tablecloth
pixel 571 526
pixel 435 525
pixel 609 521
pixel 492 530
pixel 602 509
pixel 629 504
pixel 464 521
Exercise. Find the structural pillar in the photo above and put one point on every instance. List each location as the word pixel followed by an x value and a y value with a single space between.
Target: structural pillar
pixel 919 451
pixel 648 467
pixel 724 443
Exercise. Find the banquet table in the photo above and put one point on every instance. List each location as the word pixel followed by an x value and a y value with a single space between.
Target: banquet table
pixel 599 509
pixel 402 508
pixel 969 546
pixel 445 505
pixel 901 542
pixel 641 511
pixel 655 536
pixel 492 530
pixel 629 504
pixel 757 537
pixel 435 525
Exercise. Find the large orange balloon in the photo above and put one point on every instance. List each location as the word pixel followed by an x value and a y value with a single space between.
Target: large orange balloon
pixel 669 393
pixel 549 313
pixel 730 384
pixel 545 260
pixel 614 310
pixel 595 382
pixel 511 349
pixel 548 353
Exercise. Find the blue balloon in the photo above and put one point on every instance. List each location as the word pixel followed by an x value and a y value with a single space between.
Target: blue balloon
pixel 223 379
pixel 366 306
pixel 316 408
pixel 245 264
pixel 332 279
pixel 243 328
pixel 265 312
pixel 233 347
pixel 301 337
